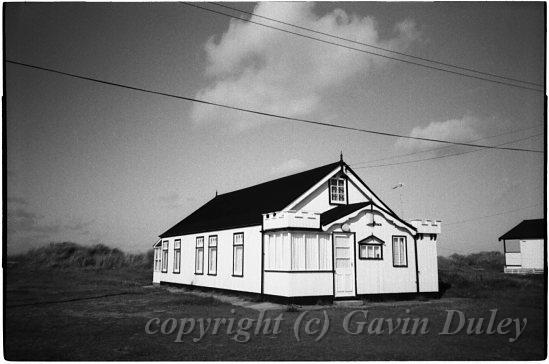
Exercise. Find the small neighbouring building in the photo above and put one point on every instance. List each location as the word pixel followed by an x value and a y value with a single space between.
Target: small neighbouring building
pixel 524 247
pixel 319 233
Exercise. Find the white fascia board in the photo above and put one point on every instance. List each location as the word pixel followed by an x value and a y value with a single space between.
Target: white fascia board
pixel 312 189
pixel 366 190
pixel 354 214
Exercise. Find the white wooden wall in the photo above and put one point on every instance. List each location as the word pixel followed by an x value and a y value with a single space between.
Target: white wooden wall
pixel 298 284
pixel 513 259
pixel 379 276
pixel 531 252
pixel 318 201
pixel 251 280
pixel 427 264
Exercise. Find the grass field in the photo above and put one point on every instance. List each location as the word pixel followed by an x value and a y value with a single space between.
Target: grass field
pixel 100 314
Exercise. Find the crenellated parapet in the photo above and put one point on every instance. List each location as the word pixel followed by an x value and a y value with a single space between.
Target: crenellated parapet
pixel 427 226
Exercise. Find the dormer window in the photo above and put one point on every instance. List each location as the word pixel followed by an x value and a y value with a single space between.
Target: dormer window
pixel 338 193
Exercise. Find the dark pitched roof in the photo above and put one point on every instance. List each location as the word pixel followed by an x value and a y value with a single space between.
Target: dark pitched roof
pixel 527 229
pixel 244 207
pixel 340 211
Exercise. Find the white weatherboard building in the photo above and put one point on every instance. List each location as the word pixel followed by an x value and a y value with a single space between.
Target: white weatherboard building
pixel 321 232
pixel 524 247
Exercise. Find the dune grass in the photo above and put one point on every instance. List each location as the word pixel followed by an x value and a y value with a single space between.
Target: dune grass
pixel 72 255
pixel 480 275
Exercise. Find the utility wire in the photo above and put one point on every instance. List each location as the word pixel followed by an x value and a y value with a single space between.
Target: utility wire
pixel 443 156
pixel 440 148
pixel 498 214
pixel 377 47
pixel 338 126
pixel 364 51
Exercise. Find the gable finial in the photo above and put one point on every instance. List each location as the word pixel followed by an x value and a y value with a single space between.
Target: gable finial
pixel 341 156
pixel 215 193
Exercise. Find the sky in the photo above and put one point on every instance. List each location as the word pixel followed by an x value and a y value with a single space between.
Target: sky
pixel 93 163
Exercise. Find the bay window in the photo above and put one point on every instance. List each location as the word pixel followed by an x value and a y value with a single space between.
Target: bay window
pixel 297 251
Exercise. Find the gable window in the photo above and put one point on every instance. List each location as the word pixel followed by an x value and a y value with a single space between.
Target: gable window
pixel 199 256
pixel 238 254
pixel 212 255
pixel 157 258
pixel 177 256
pixel 370 251
pixel 338 193
pixel 400 251
pixel 165 256
pixel 371 248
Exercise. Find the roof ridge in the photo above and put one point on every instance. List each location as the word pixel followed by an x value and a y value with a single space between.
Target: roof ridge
pixel 278 179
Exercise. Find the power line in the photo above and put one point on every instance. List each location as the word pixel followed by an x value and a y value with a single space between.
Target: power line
pixel 446 147
pixel 364 51
pixel 338 126
pixel 377 47
pixel 444 156
pixel 488 216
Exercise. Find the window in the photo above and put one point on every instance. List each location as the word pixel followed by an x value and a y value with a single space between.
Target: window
pixel 511 246
pixel 337 190
pixel 277 255
pixel 325 252
pixel 165 256
pixel 157 258
pixel 177 256
pixel 212 255
pixel 238 254
pixel 370 251
pixel 199 256
pixel 400 251
pixel 297 251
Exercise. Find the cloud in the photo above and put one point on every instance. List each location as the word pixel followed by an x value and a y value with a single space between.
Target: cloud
pixel 291 165
pixel 21 221
pixel 268 70
pixel 458 130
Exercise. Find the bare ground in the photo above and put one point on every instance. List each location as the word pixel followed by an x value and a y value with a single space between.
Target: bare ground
pixel 101 315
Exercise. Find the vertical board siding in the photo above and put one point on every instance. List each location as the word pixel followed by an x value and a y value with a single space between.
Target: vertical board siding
pixel 224 279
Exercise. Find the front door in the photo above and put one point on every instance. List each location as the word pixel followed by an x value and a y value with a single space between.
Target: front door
pixel 344 265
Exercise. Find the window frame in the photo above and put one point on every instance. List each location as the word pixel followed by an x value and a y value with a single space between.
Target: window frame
pixel 165 253
pixel 157 258
pixel 512 250
pixel 210 249
pixel 405 250
pixel 175 260
pixel 345 190
pixel 367 245
pixel 235 245
pixel 321 259
pixel 198 249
